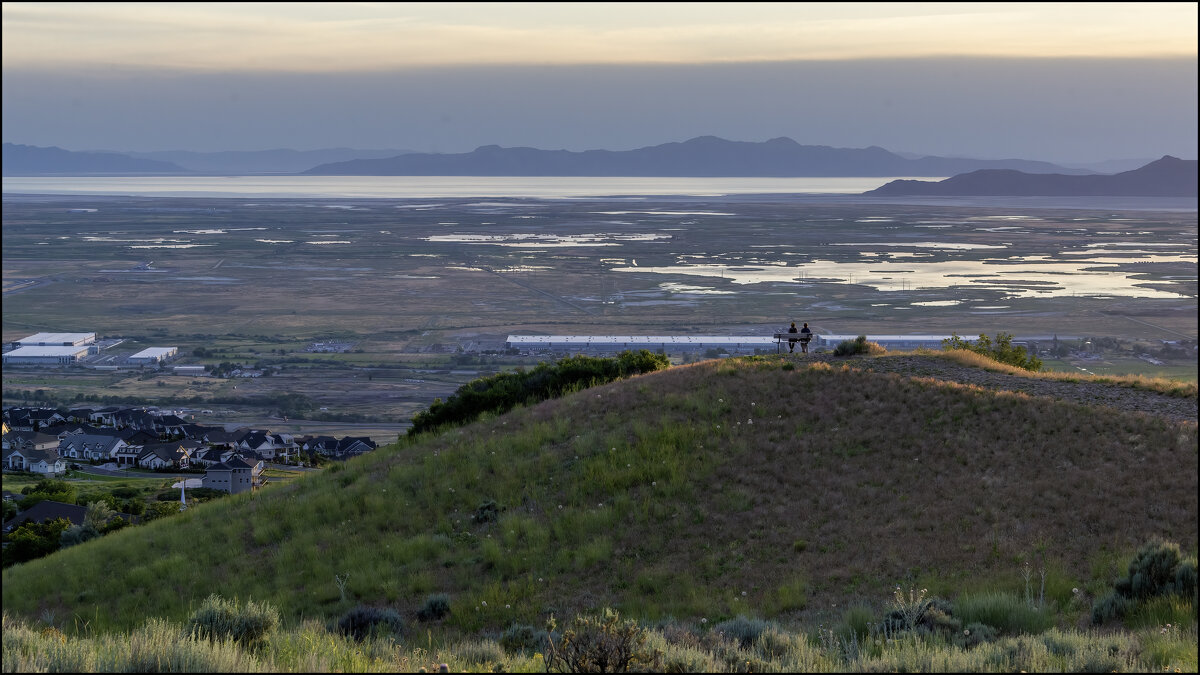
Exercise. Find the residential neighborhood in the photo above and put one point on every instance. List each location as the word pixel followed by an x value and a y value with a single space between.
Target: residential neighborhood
pixel 47 441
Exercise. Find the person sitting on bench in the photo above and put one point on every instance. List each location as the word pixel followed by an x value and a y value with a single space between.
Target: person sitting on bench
pixel 805 336
pixel 792 342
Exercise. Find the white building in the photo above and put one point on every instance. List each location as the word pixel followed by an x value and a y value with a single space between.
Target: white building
pixel 45 355
pixel 619 343
pixel 154 355
pixel 57 340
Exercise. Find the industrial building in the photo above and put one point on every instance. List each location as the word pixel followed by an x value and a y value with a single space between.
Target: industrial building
pixel 153 355
pixel 57 340
pixel 45 355
pixel 619 343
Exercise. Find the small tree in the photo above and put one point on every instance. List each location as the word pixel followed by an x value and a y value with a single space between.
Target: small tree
pixel 1001 350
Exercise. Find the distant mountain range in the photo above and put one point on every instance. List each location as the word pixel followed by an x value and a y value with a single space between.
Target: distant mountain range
pixel 30 160
pixel 1166 177
pixel 706 156
pixel 240 163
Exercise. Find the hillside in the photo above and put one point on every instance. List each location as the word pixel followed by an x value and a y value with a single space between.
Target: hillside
pixel 702 156
pixel 763 486
pixel 30 160
pixel 1165 177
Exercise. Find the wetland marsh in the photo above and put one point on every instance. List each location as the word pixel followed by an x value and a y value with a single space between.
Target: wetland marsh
pixel 423 287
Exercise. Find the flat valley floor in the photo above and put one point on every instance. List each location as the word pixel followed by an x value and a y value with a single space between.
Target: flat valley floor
pixel 423 292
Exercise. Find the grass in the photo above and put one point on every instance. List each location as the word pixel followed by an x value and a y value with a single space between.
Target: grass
pixel 710 482
pixel 1163 385
pixel 740 645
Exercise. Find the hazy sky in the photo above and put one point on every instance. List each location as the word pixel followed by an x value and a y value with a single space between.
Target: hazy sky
pixel 1061 82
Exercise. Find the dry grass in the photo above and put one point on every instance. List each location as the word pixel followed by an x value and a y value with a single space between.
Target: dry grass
pixel 1158 384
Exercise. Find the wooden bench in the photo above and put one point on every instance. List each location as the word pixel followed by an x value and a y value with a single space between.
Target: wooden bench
pixel 781 338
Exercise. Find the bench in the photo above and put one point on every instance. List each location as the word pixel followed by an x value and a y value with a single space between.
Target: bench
pixel 781 338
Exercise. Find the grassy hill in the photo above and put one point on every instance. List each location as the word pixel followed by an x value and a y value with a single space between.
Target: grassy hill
pixel 762 487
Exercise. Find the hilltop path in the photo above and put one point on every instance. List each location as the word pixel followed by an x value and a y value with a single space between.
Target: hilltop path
pixel 1087 393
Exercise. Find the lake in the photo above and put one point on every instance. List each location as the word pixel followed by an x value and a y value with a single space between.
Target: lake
pixel 435 187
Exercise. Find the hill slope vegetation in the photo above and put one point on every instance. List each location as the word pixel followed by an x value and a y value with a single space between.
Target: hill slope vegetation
pixel 759 486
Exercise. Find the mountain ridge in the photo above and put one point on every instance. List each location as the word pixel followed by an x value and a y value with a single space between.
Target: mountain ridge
pixel 703 156
pixel 30 160
pixel 1167 176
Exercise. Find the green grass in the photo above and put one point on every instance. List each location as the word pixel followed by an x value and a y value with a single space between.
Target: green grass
pixel 680 494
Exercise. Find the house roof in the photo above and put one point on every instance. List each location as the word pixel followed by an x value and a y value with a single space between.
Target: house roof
pixel 49 510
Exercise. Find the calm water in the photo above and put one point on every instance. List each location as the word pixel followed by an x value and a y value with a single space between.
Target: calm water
pixel 414 187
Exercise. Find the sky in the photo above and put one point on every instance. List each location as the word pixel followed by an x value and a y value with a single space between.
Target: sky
pixel 1065 82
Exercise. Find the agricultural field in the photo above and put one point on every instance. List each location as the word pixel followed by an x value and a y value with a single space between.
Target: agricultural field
pixel 422 293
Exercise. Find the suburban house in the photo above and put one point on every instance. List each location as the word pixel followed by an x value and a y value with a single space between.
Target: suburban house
pixel 235 475
pixel 137 436
pixel 171 425
pixel 38 461
pixel 49 510
pixel 164 455
pixel 91 448
pixel 27 419
pixel 209 456
pixel 127 455
pixel 353 447
pixel 29 440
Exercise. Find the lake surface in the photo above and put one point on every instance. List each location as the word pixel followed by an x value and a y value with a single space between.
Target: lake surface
pixel 436 187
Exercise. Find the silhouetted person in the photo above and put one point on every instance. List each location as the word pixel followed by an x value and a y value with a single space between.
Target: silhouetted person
pixel 792 341
pixel 805 336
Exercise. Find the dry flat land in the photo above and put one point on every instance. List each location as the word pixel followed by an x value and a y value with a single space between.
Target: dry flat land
pixel 421 287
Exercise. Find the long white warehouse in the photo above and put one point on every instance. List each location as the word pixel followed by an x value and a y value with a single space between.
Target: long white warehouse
pixel 617 343
pixel 57 340
pixel 45 355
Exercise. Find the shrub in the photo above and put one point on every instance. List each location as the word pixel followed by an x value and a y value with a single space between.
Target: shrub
pixel 523 639
pixel 1157 570
pixel 436 607
pixel 976 634
pixel 221 619
pixel 502 392
pixel 363 622
pixel 1001 350
pixel 600 644
pixel 746 631
pixel 486 512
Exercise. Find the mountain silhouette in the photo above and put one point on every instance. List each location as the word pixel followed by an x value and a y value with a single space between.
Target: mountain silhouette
pixel 31 160
pixel 1165 177
pixel 704 156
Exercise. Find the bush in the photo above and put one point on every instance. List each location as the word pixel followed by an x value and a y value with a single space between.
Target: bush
pixel 1157 570
pixel 745 631
pixel 976 634
pixel 221 619
pixel 436 607
pixel 1001 350
pixel 601 644
pixel 858 345
pixel 363 622
pixel 523 639
pixel 502 392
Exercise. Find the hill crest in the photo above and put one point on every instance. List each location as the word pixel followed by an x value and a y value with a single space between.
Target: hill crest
pixel 713 489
